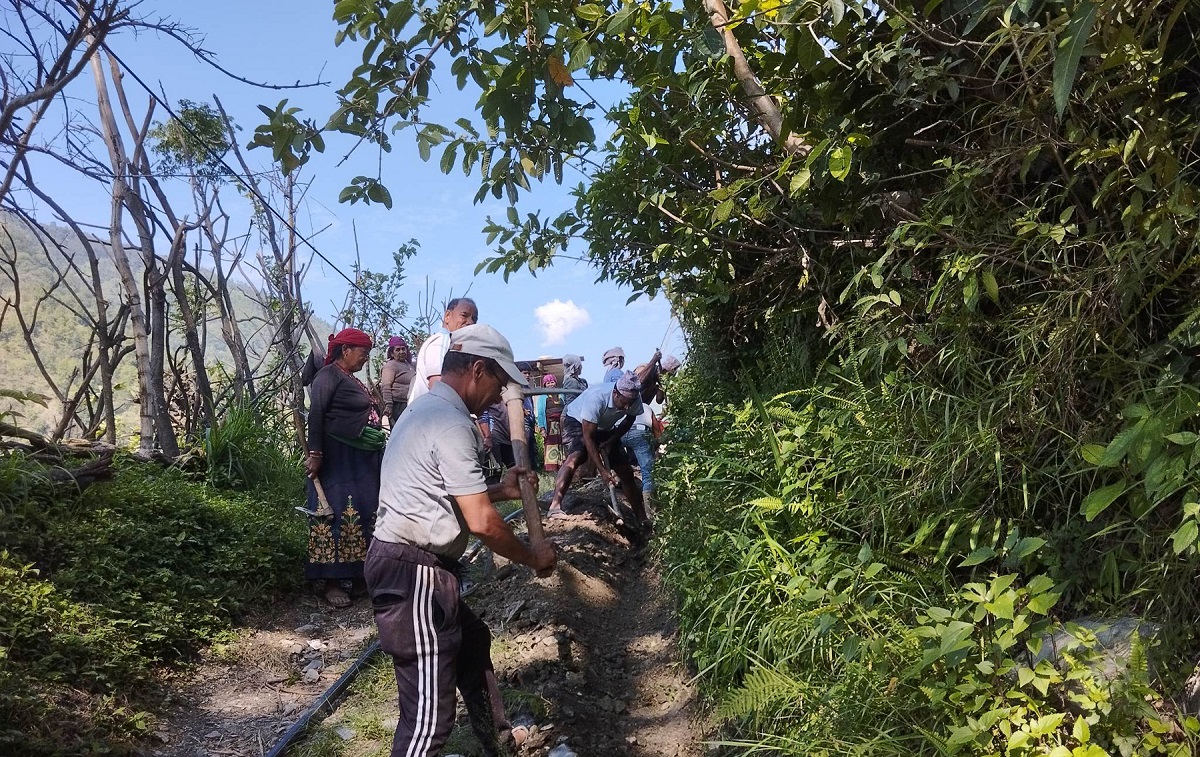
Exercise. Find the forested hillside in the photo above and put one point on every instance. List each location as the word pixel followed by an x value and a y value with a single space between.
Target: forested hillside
pixel 60 334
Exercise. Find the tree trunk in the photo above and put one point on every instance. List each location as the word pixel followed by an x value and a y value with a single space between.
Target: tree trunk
pixel 136 170
pixel 765 108
pixel 243 377
pixel 284 286
pixel 190 332
pixel 149 390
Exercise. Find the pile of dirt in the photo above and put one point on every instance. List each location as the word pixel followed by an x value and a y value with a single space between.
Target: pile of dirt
pixel 590 654
pixel 595 643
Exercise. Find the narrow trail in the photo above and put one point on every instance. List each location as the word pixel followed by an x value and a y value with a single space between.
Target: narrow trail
pixel 590 651
pixel 246 693
pixel 596 642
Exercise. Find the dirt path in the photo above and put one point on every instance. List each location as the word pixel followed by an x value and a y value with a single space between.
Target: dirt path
pixel 590 652
pixel 247 692
pixel 596 643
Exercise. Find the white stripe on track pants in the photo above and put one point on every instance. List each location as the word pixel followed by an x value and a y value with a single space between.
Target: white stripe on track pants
pixel 437 644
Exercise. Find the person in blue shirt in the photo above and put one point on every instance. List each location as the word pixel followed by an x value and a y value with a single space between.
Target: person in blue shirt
pixel 594 421
pixel 614 361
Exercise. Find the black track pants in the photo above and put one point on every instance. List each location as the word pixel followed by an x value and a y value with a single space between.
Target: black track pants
pixel 437 644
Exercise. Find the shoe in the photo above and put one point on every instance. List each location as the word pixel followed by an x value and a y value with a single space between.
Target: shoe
pixel 555 513
pixel 336 596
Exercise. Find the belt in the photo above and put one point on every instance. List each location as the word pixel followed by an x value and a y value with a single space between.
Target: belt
pixel 639 427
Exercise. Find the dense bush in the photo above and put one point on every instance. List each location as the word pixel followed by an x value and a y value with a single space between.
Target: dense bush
pixel 943 389
pixel 103 587
pixel 852 581
pixel 241 452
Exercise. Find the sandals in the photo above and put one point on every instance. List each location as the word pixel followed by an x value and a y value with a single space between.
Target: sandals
pixel 555 513
pixel 336 596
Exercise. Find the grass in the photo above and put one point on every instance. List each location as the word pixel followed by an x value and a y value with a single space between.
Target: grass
pixel 104 588
pixel 370 710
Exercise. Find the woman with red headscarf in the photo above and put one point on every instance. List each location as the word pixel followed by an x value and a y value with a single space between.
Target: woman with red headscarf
pixel 345 449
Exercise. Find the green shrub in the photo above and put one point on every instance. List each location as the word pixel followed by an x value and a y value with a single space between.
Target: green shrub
pixel 52 651
pixel 243 451
pixel 858 573
pixel 173 558
pixel 101 587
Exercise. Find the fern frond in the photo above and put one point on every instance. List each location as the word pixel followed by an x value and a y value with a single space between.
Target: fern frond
pixel 763 690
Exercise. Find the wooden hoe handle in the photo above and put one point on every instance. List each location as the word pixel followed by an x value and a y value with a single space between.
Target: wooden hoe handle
pixel 514 401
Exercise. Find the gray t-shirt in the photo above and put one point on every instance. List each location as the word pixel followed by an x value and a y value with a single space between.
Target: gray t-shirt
pixel 435 452
pixel 596 406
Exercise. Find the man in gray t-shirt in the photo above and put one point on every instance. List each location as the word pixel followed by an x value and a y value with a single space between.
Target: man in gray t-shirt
pixel 432 497
pixel 593 423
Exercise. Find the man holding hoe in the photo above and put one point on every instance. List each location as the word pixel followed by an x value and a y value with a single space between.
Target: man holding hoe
pixel 432 497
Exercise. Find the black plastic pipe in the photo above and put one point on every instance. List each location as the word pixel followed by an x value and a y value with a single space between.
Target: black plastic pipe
pixel 326 703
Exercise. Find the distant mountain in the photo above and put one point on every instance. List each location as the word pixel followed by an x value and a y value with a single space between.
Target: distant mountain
pixel 61 336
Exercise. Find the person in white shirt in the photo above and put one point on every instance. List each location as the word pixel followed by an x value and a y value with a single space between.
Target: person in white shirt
pixel 594 421
pixel 461 311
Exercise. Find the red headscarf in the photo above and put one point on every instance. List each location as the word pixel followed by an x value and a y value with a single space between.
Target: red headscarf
pixel 347 338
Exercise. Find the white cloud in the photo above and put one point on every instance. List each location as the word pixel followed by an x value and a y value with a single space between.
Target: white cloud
pixel 557 319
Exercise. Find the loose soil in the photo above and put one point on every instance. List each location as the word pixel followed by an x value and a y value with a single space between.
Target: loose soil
pixel 589 652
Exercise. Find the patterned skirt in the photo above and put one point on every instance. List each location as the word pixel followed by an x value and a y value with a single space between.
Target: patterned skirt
pixel 337 545
pixel 553 440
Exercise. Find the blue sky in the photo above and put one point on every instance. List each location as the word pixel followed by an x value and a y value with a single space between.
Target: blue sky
pixel 560 310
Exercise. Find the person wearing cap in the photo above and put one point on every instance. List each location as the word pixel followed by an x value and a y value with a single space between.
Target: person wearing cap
pixel 433 497
pixel 461 311
pixel 614 361
pixel 594 421
pixel 345 447
pixel 395 379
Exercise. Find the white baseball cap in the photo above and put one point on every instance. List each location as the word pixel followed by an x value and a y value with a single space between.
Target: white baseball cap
pixel 482 340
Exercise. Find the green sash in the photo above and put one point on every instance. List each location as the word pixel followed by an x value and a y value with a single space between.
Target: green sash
pixel 370 440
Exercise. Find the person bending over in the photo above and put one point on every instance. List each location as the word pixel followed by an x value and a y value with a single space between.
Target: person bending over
pixel 593 422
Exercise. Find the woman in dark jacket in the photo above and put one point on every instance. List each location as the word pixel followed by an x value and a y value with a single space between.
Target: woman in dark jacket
pixel 345 449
